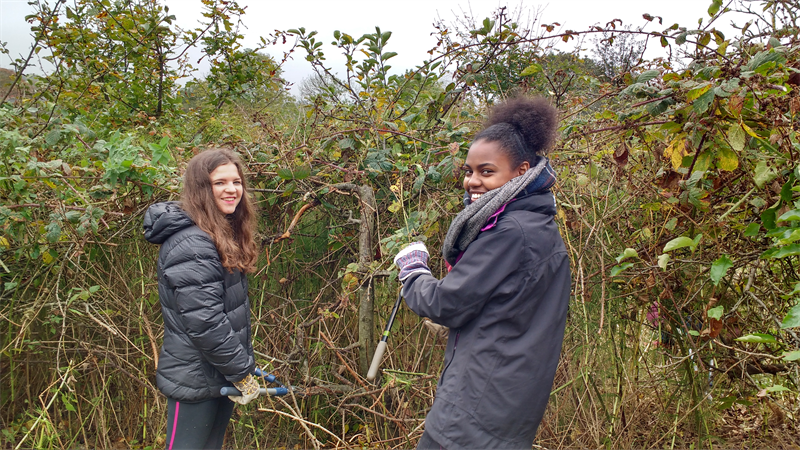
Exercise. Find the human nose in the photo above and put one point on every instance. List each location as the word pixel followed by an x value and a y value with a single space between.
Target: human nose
pixel 473 181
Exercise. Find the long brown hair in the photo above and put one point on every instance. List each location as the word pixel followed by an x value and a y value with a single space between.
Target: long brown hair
pixel 232 234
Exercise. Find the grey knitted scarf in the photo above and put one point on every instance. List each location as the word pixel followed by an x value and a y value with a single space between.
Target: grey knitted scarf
pixel 468 223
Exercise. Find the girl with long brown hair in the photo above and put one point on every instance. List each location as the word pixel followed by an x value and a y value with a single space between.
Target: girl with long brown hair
pixel 207 248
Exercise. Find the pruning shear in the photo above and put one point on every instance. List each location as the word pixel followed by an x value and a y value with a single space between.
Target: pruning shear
pixel 270 378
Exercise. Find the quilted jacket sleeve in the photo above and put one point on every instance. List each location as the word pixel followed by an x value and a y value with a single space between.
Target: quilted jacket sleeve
pixel 461 295
pixel 194 270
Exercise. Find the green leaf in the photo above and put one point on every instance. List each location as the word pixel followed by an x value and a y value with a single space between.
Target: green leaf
pixel 727 159
pixel 617 269
pixel 701 104
pixel 791 356
pixel 786 192
pixel 764 174
pixel 678 242
pixel 757 338
pixel 789 250
pixel 671 224
pixel 628 253
pixel 52 137
pixel 694 332
pixel 533 69
pixel 762 58
pixel 681 39
pixel 301 173
pixel 663 260
pixel 776 388
pixel 792 319
pixel 719 268
pixel 284 173
pixel 793 293
pixel 736 137
pixel 752 230
pixel 768 218
pixel 793 215
pixel 716 312
pixel 647 76
pixel 714 8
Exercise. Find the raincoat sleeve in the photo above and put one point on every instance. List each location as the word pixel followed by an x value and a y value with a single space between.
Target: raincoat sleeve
pixel 476 279
pixel 195 272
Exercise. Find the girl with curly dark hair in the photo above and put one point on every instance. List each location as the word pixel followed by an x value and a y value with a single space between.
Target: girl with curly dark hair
pixel 506 294
pixel 207 248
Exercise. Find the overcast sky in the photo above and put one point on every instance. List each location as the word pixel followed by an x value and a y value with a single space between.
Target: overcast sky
pixel 410 21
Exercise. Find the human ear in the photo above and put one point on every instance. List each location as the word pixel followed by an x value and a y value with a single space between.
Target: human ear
pixel 523 168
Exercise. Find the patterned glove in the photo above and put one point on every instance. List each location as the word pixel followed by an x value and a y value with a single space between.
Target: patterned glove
pixel 412 259
pixel 437 330
pixel 249 389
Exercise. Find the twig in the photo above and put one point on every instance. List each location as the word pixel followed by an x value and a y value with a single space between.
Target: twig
pixel 304 422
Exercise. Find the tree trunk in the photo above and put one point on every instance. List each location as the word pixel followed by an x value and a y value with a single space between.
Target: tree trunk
pixel 366 295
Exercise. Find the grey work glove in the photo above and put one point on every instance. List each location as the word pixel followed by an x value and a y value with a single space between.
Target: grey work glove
pixel 249 389
pixel 437 330
pixel 413 258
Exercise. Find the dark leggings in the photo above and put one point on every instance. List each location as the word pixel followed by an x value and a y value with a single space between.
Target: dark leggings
pixel 197 425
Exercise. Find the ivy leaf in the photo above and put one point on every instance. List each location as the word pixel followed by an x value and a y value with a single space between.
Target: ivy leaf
pixel 764 174
pixel 757 338
pixel 792 319
pixel 716 313
pixel 719 268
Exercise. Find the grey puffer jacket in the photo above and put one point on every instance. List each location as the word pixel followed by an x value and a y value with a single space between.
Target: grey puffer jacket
pixel 206 311
pixel 505 302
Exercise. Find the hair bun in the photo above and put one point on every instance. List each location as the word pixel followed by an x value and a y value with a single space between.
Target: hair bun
pixel 535 119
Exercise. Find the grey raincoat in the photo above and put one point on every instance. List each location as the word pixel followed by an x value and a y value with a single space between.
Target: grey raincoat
pixel 505 302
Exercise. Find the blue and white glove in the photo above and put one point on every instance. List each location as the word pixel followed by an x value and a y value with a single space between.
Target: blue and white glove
pixel 412 259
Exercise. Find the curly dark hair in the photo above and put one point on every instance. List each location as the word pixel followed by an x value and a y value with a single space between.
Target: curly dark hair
pixel 525 128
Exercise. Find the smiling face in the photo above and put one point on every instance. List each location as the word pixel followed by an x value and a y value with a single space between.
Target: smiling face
pixel 226 185
pixel 488 167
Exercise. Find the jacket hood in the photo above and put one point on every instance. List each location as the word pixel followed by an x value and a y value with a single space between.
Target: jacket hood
pixel 542 202
pixel 162 220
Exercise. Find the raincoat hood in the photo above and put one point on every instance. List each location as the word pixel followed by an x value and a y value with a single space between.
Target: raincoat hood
pixel 162 220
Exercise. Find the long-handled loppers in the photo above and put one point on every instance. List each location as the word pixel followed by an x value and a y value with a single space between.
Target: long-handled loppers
pixel 381 349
